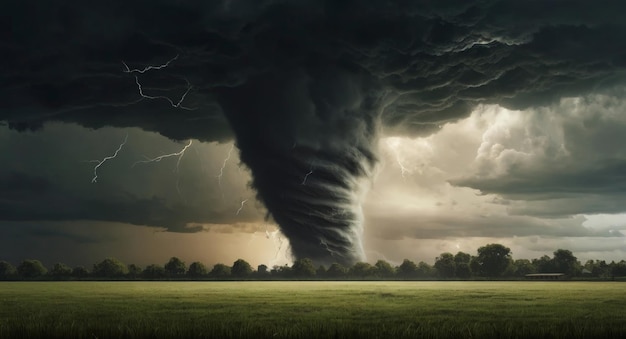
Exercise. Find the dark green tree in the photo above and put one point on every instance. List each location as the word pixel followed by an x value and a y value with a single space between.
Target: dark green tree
pixel 407 270
pixel 564 261
pixel 220 271
pixel 154 272
pixel 462 263
pixel 7 271
pixel 475 265
pixel 462 257
pixel 336 270
pixel 493 260
pixel 303 268
pixel 241 269
pixel 134 271
pixel 262 270
pixel 60 271
pixel 109 268
pixel 79 272
pixel 598 268
pixel 424 270
pixel 445 265
pixel 321 271
pixel 618 269
pixel 361 270
pixel 281 271
pixel 384 269
pixel 31 269
pixel 521 267
pixel 175 267
pixel 543 264
pixel 197 270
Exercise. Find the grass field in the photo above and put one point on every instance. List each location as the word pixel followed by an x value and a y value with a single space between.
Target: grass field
pixel 313 309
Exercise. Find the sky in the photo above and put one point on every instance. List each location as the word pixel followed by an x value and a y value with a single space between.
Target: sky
pixel 341 131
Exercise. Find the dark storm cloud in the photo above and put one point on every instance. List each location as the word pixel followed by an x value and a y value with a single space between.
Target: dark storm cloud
pixel 48 175
pixel 24 197
pixel 305 86
pixel 64 60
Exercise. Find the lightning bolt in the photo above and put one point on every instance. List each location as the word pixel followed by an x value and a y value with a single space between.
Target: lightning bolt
pixel 280 245
pixel 241 207
pixel 148 68
pixel 275 237
pixel 100 162
pixel 332 252
pixel 143 95
pixel 323 242
pixel 393 144
pixel 178 154
pixel 306 176
pixel 219 177
pixel 403 170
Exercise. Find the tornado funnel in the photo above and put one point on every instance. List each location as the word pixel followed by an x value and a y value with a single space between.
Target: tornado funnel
pixel 307 136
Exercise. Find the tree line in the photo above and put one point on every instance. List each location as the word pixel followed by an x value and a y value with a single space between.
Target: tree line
pixel 492 261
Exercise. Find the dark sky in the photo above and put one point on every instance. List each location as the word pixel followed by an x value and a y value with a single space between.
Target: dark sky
pixel 350 130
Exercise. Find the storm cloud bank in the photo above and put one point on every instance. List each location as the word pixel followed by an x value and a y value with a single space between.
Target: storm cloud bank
pixel 305 87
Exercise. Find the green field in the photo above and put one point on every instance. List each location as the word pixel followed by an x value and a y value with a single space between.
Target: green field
pixel 312 309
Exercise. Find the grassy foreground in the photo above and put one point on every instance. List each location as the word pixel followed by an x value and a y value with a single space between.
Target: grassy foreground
pixel 312 309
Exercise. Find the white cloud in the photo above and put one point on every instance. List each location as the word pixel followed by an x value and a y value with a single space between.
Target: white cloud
pixel 535 180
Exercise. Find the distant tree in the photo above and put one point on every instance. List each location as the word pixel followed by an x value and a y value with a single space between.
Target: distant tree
pixel 281 271
pixel 175 267
pixel 475 265
pixel 303 268
pixel 197 270
pixel 462 257
pixel 262 270
pixel 407 269
pixel 361 270
pixel 336 270
pixel 543 264
pixel 60 271
pixel 79 272
pixel 445 265
pixel 109 268
pixel 462 263
pixel 564 261
pixel 521 267
pixel 134 271
pixel 598 268
pixel 31 269
pixel 241 269
pixel 424 270
pixel 7 271
pixel 493 260
pixel 220 271
pixel 618 269
pixel 384 269
pixel 463 270
pixel 321 271
pixel 154 272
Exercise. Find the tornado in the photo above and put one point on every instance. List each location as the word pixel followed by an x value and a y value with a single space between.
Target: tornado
pixel 305 88
pixel 308 136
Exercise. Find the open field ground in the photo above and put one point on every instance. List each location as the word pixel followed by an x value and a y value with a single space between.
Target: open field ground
pixel 312 309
